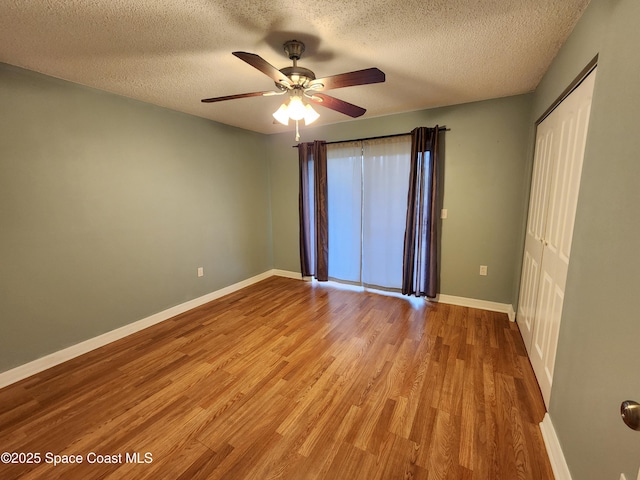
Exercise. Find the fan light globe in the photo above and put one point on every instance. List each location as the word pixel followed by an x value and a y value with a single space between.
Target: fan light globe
pixel 310 115
pixel 282 114
pixel 297 109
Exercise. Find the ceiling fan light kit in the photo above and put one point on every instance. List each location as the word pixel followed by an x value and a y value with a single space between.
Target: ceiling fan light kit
pixel 301 83
pixel 296 110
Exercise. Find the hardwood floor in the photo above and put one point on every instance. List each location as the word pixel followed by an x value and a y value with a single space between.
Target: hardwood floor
pixel 290 380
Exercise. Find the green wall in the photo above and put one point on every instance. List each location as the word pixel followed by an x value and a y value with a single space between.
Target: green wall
pixel 597 364
pixel 484 192
pixel 107 208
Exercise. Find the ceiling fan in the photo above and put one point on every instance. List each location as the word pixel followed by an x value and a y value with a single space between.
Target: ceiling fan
pixel 301 83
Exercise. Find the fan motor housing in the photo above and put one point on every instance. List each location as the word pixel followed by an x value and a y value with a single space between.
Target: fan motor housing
pixel 299 75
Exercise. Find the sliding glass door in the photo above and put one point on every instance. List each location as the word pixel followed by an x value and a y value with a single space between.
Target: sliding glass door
pixel 384 214
pixel 367 203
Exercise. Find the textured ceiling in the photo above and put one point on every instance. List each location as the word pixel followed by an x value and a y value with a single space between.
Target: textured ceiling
pixel 175 52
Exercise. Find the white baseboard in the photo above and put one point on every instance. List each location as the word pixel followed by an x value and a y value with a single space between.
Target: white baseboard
pixel 480 304
pixel 23 371
pixel 287 274
pixel 556 457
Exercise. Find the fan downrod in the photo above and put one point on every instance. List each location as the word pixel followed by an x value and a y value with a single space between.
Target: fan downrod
pixel 299 75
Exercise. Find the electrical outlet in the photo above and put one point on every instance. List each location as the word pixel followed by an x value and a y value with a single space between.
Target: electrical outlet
pixel 200 271
pixel 483 270
pixel 444 213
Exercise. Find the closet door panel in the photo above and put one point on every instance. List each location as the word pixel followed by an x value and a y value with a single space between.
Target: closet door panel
pixel 536 224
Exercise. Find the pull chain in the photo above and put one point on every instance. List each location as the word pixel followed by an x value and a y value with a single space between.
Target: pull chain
pixel 297 132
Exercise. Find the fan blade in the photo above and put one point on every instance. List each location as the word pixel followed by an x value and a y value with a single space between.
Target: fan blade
pixel 350 79
pixel 337 105
pixel 265 67
pixel 233 97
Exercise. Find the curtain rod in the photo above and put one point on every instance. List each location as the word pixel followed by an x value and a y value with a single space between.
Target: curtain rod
pixel 440 129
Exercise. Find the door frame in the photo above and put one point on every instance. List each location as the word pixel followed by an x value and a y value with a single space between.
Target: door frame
pixel 580 78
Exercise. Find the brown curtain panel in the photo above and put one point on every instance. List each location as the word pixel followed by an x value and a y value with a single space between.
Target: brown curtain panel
pixel 420 259
pixel 314 231
pixel 305 208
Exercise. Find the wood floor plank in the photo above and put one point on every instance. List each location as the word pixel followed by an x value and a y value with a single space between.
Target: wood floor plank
pixel 291 380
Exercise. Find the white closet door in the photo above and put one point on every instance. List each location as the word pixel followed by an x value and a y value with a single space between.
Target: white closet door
pixel 545 151
pixel 562 137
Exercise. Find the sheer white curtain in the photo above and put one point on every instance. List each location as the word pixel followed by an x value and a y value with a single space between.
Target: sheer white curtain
pixel 311 212
pixel 344 193
pixel 367 201
pixel 385 187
